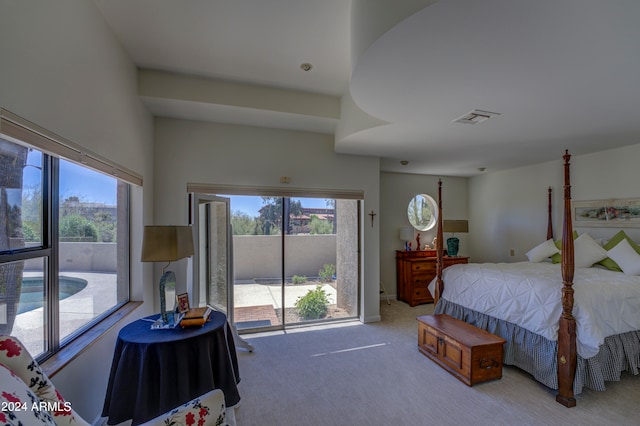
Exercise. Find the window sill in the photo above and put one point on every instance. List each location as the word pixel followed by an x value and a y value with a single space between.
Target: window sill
pixel 67 354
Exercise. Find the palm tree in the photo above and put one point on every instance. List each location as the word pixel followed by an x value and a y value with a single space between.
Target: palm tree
pixel 274 209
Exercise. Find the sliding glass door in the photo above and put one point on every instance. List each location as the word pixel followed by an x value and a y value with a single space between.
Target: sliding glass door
pixel 258 258
pixel 295 260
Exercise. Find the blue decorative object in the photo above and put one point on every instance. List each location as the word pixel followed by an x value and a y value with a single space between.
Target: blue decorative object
pixel 168 279
pixel 167 319
pixel 453 245
pixel 454 226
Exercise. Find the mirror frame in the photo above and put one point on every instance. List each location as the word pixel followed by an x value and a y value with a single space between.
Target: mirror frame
pixel 421 223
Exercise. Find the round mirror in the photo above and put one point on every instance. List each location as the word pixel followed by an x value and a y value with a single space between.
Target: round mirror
pixel 422 212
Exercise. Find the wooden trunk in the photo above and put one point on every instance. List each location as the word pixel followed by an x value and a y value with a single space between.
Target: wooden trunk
pixel 469 353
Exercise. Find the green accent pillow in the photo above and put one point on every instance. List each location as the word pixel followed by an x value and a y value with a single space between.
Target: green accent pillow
pixel 557 258
pixel 610 263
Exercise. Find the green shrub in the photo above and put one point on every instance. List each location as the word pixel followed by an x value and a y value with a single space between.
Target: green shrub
pixel 327 273
pixel 29 231
pixel 313 305
pixel 77 228
pixel 299 279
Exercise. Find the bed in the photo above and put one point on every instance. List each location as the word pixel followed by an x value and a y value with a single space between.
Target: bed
pixel 569 325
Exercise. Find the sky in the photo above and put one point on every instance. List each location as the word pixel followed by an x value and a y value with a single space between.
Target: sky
pixel 86 184
pixel 251 204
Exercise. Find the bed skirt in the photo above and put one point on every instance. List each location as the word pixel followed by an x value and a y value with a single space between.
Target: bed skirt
pixel 537 355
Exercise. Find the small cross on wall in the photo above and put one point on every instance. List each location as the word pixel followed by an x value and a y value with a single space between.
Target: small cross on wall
pixel 372 214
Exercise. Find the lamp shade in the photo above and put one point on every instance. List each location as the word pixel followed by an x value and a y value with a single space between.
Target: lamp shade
pixel 406 234
pixel 166 243
pixel 455 226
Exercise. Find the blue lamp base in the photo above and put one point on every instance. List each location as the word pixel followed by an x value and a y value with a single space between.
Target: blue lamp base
pixel 167 319
pixel 453 244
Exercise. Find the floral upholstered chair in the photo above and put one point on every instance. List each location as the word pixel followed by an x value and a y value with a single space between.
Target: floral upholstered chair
pixel 28 397
pixel 206 410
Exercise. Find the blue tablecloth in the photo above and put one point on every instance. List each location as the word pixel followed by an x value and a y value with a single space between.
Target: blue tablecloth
pixel 154 371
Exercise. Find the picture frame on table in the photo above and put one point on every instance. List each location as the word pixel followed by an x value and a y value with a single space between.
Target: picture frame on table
pixel 183 302
pixel 607 213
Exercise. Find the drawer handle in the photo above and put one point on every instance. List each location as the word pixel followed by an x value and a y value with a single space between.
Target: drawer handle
pixel 488 364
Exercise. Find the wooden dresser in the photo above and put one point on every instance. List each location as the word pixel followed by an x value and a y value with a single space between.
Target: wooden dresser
pixel 415 270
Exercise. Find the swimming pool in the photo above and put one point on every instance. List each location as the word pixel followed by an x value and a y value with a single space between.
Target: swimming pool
pixel 32 292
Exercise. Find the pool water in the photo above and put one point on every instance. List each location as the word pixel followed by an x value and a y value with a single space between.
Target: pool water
pixel 32 292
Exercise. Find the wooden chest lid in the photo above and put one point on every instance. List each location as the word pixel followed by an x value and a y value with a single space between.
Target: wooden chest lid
pixel 461 331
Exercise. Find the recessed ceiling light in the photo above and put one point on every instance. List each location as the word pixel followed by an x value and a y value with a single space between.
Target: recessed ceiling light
pixel 306 66
pixel 404 162
pixel 476 116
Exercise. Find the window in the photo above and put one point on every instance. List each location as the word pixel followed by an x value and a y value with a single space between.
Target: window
pixel 64 246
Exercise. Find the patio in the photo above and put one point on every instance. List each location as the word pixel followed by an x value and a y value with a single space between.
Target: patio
pixel 256 305
pixel 75 311
pixel 260 305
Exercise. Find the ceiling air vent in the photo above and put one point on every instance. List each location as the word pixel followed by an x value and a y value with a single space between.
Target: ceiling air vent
pixel 476 116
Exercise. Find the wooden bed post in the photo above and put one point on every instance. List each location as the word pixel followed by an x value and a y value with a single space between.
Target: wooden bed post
pixel 567 356
pixel 549 218
pixel 439 245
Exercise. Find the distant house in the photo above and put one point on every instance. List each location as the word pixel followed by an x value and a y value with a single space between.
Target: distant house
pixel 300 223
pixel 91 211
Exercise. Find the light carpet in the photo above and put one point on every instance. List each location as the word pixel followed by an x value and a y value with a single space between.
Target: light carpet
pixel 373 374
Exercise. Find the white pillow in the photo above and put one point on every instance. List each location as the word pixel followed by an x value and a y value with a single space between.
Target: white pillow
pixel 626 257
pixel 542 251
pixel 587 251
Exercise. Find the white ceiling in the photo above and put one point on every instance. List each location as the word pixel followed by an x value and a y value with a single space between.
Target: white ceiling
pixel 563 74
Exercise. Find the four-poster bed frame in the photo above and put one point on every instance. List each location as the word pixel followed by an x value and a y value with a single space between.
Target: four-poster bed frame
pixel 567 350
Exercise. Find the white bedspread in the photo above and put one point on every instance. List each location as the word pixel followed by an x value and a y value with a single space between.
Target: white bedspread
pixel 528 294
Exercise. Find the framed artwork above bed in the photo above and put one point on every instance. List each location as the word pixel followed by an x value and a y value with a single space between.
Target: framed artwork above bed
pixel 624 212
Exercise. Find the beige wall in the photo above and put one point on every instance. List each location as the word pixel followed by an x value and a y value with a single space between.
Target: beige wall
pixel 396 190
pixel 62 69
pixel 213 153
pixel 260 256
pixel 91 257
pixel 510 207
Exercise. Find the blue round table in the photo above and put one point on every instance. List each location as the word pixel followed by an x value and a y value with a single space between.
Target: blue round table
pixel 154 371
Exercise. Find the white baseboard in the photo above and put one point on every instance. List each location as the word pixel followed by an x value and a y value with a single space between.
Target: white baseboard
pixel 373 318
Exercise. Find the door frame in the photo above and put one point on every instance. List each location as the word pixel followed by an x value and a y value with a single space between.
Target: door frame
pixel 195 200
pixel 207 189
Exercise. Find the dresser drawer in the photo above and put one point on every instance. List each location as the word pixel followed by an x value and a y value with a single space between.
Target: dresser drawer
pixel 448 261
pixel 421 295
pixel 423 280
pixel 414 272
pixel 419 267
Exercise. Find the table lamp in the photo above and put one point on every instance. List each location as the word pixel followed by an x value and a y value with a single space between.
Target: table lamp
pixel 406 235
pixel 166 244
pixel 453 226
